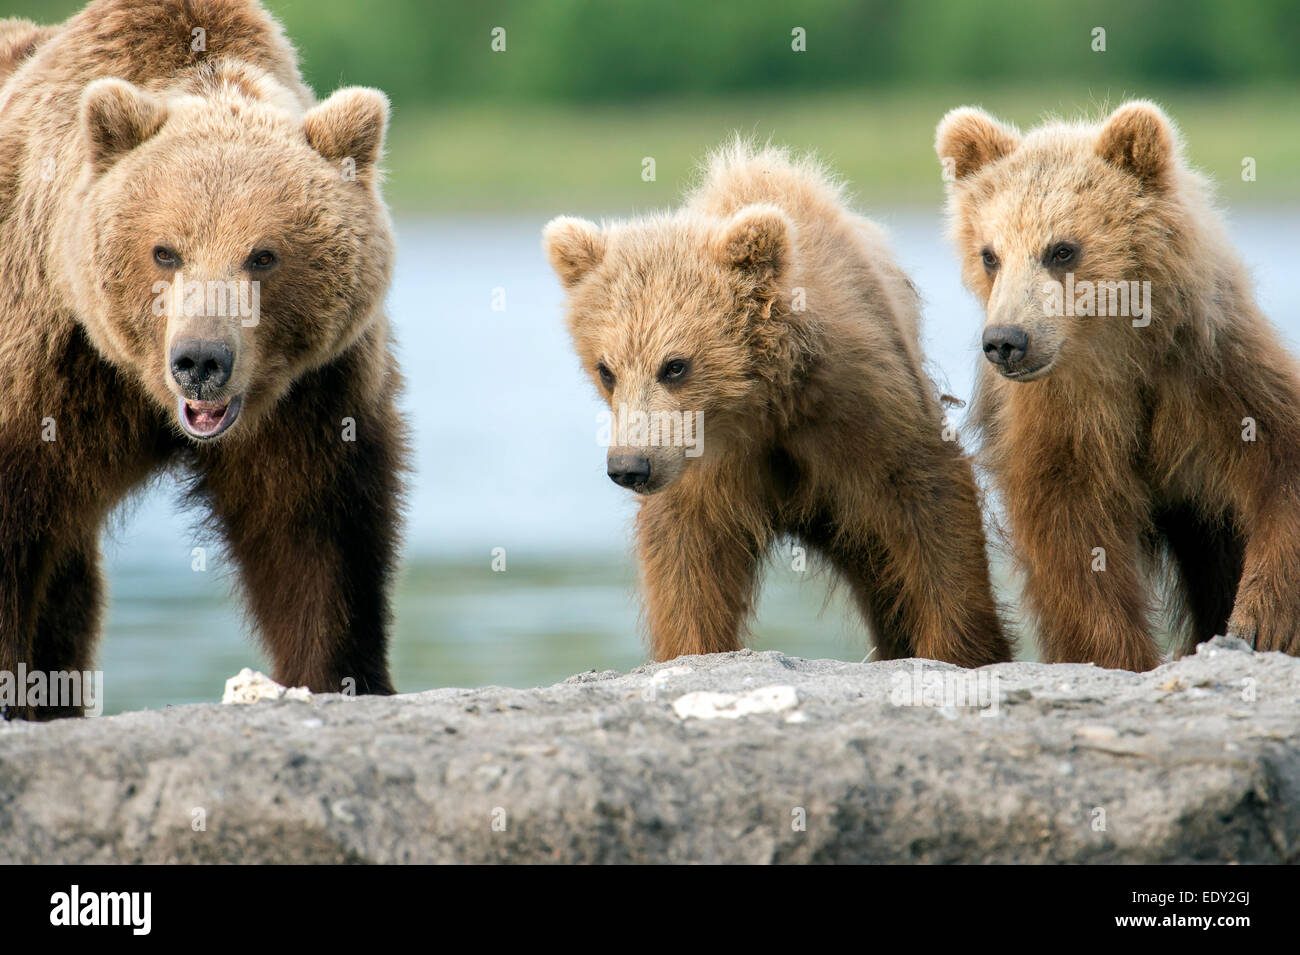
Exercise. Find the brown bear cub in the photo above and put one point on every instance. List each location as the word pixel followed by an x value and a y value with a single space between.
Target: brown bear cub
pixel 195 258
pixel 1138 412
pixel 760 354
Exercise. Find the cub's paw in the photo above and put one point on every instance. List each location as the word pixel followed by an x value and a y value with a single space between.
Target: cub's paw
pixel 1243 627
pixel 1271 634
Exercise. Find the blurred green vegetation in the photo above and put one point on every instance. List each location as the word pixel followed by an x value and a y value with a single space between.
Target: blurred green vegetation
pixel 597 50
pixel 504 158
pixel 586 89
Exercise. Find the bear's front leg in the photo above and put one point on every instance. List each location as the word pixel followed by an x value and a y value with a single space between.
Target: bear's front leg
pixel 1266 613
pixel 56 492
pixel 309 504
pixel 698 572
pixel 911 545
pixel 67 622
pixel 59 592
pixel 1080 550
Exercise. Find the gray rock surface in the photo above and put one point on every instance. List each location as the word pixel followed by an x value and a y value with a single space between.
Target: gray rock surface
pixel 1196 761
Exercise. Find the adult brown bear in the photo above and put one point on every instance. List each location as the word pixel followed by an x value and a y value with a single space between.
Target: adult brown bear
pixel 195 255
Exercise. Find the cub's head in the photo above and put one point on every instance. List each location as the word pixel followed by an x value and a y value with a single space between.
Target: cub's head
pixel 673 319
pixel 224 242
pixel 1059 229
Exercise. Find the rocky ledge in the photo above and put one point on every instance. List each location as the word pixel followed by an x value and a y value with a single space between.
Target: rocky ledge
pixel 740 757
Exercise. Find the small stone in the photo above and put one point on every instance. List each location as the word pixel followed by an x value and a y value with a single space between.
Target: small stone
pixel 250 686
pixel 730 706
pixel 1098 734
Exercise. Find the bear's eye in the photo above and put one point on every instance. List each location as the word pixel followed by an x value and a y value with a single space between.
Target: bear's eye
pixel 990 260
pixel 1062 253
pixel 166 257
pixel 674 369
pixel 261 261
pixel 606 376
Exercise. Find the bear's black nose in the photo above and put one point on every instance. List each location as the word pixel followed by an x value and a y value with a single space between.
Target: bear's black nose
pixel 201 367
pixel 628 470
pixel 1005 344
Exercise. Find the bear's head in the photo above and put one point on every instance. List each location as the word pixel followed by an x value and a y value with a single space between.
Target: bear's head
pixel 222 242
pixel 672 317
pixel 1059 229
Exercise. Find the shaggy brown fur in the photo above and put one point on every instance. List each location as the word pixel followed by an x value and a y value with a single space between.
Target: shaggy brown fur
pixel 817 423
pixel 18 40
pixel 122 140
pixel 1130 438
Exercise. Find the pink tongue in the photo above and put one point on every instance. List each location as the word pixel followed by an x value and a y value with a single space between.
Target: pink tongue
pixel 205 420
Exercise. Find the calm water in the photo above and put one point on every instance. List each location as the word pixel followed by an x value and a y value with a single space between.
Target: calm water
pixel 506 456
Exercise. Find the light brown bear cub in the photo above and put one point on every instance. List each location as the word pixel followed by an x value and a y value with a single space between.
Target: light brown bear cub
pixel 1137 409
pixel 775 324
pixel 195 256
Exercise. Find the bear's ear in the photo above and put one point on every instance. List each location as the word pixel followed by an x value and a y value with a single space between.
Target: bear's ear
pixel 969 139
pixel 117 116
pixel 574 247
pixel 349 128
pixel 755 242
pixel 1140 139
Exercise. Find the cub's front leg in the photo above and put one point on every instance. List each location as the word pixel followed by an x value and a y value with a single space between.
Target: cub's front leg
pixel 1266 613
pixel 699 573
pixel 1079 548
pixel 934 573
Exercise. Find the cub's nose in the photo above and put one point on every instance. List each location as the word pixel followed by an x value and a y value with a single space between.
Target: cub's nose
pixel 628 470
pixel 1005 344
pixel 201 367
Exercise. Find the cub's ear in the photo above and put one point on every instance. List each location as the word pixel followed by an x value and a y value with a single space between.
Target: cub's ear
pixel 348 128
pixel 756 243
pixel 117 116
pixel 1140 139
pixel 574 247
pixel 969 139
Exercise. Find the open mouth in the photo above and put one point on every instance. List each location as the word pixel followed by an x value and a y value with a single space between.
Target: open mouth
pixel 207 419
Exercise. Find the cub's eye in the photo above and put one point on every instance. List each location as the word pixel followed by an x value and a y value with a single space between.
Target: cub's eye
pixel 261 261
pixel 1062 253
pixel 990 260
pixel 674 369
pixel 606 376
pixel 166 257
